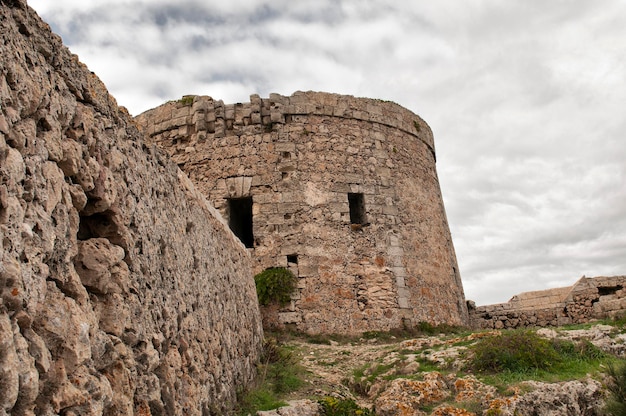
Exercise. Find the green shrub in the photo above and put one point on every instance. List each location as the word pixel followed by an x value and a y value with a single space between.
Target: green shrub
pixel 616 404
pixel 332 406
pixel 582 350
pixel 515 351
pixel 187 100
pixel 275 285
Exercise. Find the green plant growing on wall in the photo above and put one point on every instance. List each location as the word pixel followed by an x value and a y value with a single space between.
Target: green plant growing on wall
pixel 275 285
pixel 187 100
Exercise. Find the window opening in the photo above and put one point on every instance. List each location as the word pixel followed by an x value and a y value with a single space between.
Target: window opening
pixel 609 290
pixel 357 208
pixel 240 219
pixel 292 258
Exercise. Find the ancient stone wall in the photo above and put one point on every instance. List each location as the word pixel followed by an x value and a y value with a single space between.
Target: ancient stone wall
pixel 121 289
pixel 342 190
pixel 589 299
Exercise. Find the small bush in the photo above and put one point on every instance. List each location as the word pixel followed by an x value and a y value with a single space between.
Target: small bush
pixel 187 100
pixel 616 404
pixel 275 285
pixel 515 351
pixel 332 406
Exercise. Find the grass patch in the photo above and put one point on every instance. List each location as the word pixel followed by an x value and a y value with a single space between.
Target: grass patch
pixel 259 399
pixel 514 351
pixel 318 339
pixel 520 355
pixel 364 377
pixel 419 330
pixel 618 322
pixel 427 365
pixel 327 339
pixel 616 404
pixel 279 373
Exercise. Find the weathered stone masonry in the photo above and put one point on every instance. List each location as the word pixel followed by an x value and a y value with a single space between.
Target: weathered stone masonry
pixel 122 291
pixel 342 190
pixel 587 300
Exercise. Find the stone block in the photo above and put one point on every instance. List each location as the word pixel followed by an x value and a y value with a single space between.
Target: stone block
pixel 285 147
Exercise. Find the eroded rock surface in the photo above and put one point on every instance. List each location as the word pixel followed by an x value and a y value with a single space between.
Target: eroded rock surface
pixel 294 408
pixel 579 397
pixel 121 289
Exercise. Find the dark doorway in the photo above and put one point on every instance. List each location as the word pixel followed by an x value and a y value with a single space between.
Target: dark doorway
pixel 240 219
pixel 357 208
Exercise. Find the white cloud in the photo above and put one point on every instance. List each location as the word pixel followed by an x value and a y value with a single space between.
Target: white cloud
pixel 524 97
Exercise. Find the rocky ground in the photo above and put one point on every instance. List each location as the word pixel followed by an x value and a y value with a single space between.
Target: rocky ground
pixel 426 375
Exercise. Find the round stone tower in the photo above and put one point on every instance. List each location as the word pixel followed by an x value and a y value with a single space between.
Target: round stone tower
pixel 341 190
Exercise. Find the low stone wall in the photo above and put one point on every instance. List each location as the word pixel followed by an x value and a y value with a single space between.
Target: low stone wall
pixel 588 299
pixel 122 291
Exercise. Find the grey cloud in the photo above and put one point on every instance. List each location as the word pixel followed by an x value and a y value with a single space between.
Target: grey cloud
pixel 525 100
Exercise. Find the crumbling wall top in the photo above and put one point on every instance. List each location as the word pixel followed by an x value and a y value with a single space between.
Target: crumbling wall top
pixel 280 109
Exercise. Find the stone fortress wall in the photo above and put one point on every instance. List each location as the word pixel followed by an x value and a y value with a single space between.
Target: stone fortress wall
pixel 122 291
pixel 342 190
pixel 587 300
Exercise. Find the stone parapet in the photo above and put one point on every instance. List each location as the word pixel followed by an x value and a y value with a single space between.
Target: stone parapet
pixel 198 114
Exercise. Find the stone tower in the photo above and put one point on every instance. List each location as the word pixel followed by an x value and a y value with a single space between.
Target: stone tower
pixel 342 190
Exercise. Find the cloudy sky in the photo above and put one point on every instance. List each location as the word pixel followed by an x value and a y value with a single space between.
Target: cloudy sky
pixel 526 98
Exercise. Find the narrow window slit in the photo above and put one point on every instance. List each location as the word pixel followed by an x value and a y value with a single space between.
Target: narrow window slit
pixel 240 219
pixel 357 208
